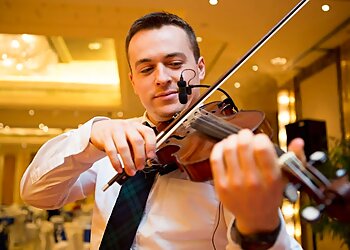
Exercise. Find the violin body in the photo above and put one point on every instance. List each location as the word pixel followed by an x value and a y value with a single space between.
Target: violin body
pixel 190 146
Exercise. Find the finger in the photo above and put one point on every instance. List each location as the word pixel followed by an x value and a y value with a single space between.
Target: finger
pixel 149 139
pixel 218 166
pixel 113 155
pixel 123 149
pixel 231 160
pixel 245 155
pixel 266 159
pixel 137 143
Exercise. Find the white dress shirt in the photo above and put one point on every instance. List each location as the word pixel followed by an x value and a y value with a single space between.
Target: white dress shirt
pixel 179 214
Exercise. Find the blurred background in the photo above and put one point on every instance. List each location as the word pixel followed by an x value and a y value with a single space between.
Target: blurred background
pixel 63 62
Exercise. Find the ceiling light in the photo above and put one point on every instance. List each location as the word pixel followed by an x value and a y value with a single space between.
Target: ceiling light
pixel 237 85
pixel 45 128
pixel 28 38
pixel 255 67
pixel 278 61
pixel 95 46
pixel 325 7
pixel 213 2
pixel 31 112
pixel 15 44
pixel 19 66
pixel 199 39
pixel 8 62
pixel 24 54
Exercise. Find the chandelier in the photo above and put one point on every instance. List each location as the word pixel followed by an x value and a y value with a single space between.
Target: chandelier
pixel 25 55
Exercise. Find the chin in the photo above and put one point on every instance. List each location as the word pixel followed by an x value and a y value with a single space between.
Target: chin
pixel 167 112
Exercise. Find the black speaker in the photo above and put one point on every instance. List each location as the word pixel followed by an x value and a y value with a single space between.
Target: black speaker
pixel 313 132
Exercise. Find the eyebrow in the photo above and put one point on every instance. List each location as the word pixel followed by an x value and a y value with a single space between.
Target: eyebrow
pixel 175 54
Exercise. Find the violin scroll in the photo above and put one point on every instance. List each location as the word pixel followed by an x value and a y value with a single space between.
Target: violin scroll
pixel 332 197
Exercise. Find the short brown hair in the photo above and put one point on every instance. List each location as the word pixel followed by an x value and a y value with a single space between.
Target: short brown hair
pixel 157 20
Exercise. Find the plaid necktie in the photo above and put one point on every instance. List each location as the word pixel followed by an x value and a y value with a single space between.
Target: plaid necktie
pixel 127 211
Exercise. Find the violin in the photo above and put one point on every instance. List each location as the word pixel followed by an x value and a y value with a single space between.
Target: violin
pixel 204 125
pixel 190 145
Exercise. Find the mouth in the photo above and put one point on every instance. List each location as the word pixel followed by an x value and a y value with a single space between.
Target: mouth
pixel 166 93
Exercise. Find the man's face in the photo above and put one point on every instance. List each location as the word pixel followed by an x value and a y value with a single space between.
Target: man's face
pixel 157 58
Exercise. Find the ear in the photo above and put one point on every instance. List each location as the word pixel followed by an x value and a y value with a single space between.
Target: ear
pixel 201 68
pixel 132 82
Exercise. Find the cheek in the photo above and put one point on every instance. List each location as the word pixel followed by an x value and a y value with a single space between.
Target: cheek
pixel 140 87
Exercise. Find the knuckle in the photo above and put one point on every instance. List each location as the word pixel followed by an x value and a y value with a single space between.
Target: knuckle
pixel 111 151
pixel 123 149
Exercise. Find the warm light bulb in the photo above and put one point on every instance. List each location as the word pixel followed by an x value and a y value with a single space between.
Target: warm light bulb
pixel 283 99
pixel 15 44
pixel 288 210
pixel 45 128
pixel 95 46
pixel 255 67
pixel 278 61
pixel 28 38
pixel 19 66
pixel 284 117
pixel 213 2
pixel 325 7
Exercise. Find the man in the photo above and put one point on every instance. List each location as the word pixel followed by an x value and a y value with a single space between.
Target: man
pixel 179 214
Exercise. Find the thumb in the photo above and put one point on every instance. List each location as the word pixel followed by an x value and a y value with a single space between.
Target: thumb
pixel 297 147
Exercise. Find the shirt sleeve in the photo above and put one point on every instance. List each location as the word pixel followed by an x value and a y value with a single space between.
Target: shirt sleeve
pixel 63 170
pixel 283 242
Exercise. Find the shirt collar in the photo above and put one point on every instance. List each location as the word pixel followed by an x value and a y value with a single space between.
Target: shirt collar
pixel 146 119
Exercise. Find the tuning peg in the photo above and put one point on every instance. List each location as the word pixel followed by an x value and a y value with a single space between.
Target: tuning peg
pixel 290 192
pixel 340 172
pixel 317 156
pixel 311 213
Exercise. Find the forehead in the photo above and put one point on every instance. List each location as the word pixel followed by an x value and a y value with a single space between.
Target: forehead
pixel 155 42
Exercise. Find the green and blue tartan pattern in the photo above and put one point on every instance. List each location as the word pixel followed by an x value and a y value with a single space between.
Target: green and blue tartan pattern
pixel 127 212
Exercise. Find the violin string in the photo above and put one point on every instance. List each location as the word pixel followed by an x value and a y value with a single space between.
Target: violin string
pixel 307 172
pixel 290 164
pixel 213 126
pixel 210 129
pixel 219 128
pixel 222 122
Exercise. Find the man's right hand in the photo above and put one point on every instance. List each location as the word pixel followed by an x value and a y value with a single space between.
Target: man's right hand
pixel 132 140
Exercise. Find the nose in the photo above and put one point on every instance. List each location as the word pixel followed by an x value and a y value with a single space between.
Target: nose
pixel 162 75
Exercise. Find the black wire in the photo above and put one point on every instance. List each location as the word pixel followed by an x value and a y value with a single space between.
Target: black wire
pixel 230 100
pixel 221 90
pixel 216 227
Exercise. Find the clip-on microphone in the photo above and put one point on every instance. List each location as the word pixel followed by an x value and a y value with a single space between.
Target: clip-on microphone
pixel 182 90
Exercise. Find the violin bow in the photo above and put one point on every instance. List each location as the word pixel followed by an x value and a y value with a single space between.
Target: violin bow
pixel 186 114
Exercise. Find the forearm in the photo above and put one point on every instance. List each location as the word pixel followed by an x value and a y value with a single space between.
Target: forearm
pixel 61 171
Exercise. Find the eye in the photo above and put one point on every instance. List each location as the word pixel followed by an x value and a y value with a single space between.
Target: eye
pixel 146 70
pixel 176 64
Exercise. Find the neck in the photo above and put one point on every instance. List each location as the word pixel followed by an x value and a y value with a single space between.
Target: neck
pixel 159 121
